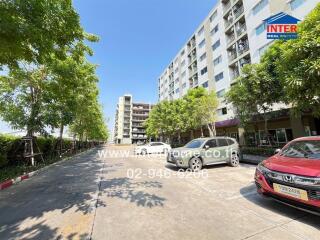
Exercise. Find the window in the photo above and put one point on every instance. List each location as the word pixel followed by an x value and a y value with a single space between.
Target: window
pixel 230 141
pixel 260 28
pixel 222 111
pixel 214 30
pixel 202 43
pixel 201 31
pixel 218 77
pixel 182 53
pixel 303 149
pixel 204 70
pixel 213 16
pixel 177 90
pixel 184 85
pixel 176 70
pixel 194 144
pixel 222 142
pixel 217 60
pixel 259 6
pixel 211 143
pixel 205 85
pixel 264 48
pixel 294 4
pixel 177 80
pixel 203 57
pixel 221 93
pixel 216 45
pixel 183 63
pixel 183 74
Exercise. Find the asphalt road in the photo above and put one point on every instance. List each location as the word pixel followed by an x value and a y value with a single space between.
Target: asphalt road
pixel 145 198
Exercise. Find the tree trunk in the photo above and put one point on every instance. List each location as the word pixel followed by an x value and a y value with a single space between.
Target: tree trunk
pixel 266 127
pixel 201 131
pixel 191 135
pixel 61 138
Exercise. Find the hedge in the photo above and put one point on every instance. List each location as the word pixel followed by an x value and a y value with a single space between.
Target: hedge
pixel 260 151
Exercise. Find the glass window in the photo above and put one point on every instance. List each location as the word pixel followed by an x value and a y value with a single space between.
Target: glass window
pixel 183 74
pixel 222 142
pixel 201 31
pixel 212 143
pixel 184 85
pixel 194 144
pixel 217 60
pixel 213 16
pixel 204 70
pixel 177 90
pixel 281 135
pixel 214 30
pixel 216 45
pixel 303 149
pixel 183 63
pixel 259 6
pixel 218 77
pixel 221 94
pixel 294 4
pixel 205 85
pixel 202 43
pixel 260 28
pixel 203 57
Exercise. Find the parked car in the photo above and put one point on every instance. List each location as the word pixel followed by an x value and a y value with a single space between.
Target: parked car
pixel 205 151
pixel 153 147
pixel 292 175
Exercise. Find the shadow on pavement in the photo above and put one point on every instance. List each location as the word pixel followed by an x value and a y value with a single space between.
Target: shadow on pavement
pixel 28 210
pixel 278 208
pixel 126 189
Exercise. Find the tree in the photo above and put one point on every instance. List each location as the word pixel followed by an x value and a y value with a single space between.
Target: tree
pixel 33 30
pixel 255 93
pixel 299 65
pixel 207 109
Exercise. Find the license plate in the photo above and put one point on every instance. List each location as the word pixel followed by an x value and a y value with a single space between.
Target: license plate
pixel 291 191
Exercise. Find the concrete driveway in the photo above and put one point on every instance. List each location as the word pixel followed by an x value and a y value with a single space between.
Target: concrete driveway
pixel 145 198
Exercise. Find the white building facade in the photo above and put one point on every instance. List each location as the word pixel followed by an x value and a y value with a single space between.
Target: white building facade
pixel 232 35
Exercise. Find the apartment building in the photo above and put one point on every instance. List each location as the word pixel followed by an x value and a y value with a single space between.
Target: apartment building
pixel 231 36
pixel 129 119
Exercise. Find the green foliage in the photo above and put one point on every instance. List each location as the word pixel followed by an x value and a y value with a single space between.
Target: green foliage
pixel 6 143
pixel 299 65
pixel 169 118
pixel 259 151
pixel 32 30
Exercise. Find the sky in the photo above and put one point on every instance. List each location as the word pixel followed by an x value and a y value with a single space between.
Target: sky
pixel 138 39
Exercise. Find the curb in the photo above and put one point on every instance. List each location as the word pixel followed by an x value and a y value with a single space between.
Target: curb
pixel 9 183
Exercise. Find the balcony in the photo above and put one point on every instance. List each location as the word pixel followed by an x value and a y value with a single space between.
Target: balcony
pixel 238 12
pixel 230 39
pixel 232 55
pixel 243 46
pixel 234 74
pixel 226 7
pixel 241 28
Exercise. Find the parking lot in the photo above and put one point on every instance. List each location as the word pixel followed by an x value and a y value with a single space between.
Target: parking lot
pixel 143 197
pixel 148 198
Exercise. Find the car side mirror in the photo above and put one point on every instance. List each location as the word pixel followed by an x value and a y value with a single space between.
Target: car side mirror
pixel 206 147
pixel 277 151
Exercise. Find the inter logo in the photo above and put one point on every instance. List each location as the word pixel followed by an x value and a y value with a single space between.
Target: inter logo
pixel 281 26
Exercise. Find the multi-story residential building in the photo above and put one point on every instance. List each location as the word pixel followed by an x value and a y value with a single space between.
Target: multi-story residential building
pixel 232 35
pixel 129 119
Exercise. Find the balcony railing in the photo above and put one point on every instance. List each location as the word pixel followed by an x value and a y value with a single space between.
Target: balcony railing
pixel 230 39
pixel 226 7
pixel 234 75
pixel 238 12
pixel 241 29
pixel 243 48
pixel 232 56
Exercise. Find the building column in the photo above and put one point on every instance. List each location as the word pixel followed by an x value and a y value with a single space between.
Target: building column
pixel 297 126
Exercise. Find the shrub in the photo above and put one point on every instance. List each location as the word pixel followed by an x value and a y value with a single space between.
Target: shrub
pixel 261 151
pixel 6 145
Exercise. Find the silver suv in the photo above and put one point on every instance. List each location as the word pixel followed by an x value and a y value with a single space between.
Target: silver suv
pixel 205 151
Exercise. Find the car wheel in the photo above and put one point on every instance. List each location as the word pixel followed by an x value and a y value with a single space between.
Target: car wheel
pixel 144 152
pixel 234 161
pixel 195 164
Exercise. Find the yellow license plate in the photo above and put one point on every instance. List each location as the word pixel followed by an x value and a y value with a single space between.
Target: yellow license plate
pixel 291 191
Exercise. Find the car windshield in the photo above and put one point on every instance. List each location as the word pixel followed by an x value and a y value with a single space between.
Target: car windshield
pixel 194 144
pixel 303 149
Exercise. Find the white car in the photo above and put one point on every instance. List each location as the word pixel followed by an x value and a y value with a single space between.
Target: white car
pixel 153 147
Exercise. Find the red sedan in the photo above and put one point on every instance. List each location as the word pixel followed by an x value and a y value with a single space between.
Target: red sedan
pixel 292 176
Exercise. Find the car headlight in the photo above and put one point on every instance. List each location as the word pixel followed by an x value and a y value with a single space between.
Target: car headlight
pixel 261 168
